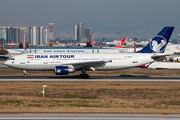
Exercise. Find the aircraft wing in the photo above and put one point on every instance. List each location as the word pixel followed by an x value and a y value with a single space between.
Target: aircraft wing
pixel 88 64
pixel 160 56
pixel 6 56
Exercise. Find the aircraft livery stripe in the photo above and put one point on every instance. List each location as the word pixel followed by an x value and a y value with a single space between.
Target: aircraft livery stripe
pixel 30 56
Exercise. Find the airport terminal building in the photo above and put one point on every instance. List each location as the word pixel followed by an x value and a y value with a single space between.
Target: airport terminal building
pixel 171 48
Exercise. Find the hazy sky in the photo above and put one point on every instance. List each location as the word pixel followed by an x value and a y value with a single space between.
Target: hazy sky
pixel 131 15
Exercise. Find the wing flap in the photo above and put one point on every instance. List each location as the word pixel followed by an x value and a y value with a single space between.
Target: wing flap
pixel 88 64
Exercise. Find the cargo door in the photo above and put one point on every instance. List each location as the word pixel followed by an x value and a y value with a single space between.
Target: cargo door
pixel 135 59
pixel 45 61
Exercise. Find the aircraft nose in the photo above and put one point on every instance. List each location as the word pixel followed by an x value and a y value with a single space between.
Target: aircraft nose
pixel 6 63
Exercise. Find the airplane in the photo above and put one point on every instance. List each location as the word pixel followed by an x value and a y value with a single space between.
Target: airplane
pixel 64 63
pixel 84 44
pixel 120 44
pixel 93 42
pixel 114 43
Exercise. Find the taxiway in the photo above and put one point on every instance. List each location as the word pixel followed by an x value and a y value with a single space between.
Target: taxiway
pixel 87 116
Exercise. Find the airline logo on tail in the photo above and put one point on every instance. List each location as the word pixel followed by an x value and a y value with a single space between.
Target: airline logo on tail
pixel 158 47
pixel 120 44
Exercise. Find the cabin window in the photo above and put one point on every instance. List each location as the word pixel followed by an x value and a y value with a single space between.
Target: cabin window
pixel 11 59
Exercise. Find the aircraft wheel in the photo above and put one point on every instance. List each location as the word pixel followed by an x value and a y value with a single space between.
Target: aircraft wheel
pixel 80 75
pixel 85 76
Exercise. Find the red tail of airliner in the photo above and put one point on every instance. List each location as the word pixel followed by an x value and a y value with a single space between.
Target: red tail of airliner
pixel 25 46
pixel 120 44
pixel 93 42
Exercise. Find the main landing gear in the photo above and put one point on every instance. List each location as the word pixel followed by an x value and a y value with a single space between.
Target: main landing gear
pixel 24 71
pixel 84 75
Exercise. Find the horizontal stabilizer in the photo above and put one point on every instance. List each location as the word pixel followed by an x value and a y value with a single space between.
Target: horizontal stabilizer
pixel 159 56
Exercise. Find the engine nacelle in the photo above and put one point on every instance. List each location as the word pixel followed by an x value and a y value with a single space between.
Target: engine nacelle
pixel 62 70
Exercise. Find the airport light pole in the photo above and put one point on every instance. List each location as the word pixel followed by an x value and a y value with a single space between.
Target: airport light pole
pixel 68 37
pixel 118 35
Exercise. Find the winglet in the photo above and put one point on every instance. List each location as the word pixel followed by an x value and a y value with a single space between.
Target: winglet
pixel 159 42
pixel 120 44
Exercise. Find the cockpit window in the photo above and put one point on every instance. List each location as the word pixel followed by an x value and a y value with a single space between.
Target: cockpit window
pixel 11 58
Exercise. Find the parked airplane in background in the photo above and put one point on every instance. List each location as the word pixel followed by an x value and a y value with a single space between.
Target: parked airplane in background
pixel 126 50
pixel 66 63
pixel 114 43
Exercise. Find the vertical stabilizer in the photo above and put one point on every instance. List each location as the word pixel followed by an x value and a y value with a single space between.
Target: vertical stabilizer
pixel 159 42
pixel 120 44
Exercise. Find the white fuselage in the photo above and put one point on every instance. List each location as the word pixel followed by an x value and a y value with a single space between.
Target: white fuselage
pixel 50 61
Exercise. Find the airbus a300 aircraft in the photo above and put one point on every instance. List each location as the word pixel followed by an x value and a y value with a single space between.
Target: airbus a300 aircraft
pixel 66 63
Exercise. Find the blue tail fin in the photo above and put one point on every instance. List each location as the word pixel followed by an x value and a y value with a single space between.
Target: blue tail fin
pixel 159 42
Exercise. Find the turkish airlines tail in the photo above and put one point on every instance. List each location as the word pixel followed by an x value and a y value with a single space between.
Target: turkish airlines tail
pixel 93 42
pixel 120 44
pixel 25 46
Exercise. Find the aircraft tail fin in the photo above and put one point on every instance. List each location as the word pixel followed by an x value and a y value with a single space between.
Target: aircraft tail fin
pixel 120 44
pixel 159 42
pixel 25 46
pixel 93 42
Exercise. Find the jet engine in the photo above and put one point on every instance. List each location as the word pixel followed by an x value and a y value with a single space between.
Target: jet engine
pixel 62 70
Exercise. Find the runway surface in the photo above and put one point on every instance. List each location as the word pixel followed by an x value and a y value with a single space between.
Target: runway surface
pixel 2 65
pixel 87 116
pixel 76 78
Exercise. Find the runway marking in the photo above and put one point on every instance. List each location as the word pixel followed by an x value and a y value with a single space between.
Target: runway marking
pixel 162 114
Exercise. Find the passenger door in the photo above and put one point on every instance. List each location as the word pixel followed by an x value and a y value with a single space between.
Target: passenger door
pixel 22 61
